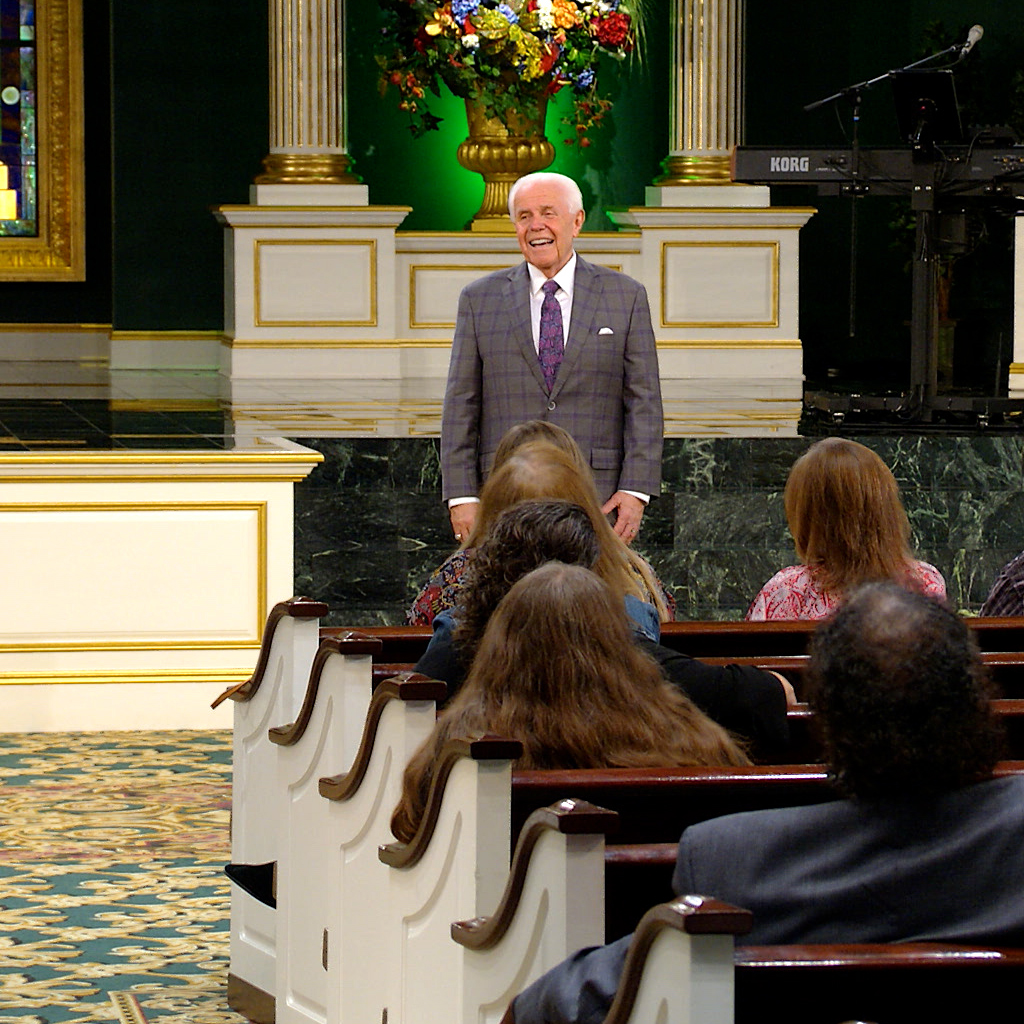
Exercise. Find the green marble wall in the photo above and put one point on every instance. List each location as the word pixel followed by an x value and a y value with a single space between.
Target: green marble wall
pixel 370 527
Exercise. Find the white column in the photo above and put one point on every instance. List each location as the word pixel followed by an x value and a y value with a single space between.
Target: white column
pixel 706 106
pixel 307 97
pixel 1017 366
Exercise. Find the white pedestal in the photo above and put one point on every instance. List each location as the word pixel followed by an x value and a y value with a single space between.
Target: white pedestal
pixel 138 582
pixel 723 283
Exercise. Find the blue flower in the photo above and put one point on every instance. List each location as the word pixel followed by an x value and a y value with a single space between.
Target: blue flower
pixel 510 15
pixel 584 80
pixel 462 9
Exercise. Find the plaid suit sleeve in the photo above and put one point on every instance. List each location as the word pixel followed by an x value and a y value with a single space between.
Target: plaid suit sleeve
pixel 460 422
pixel 643 421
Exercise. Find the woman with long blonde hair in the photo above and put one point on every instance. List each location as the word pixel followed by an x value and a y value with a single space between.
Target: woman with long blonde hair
pixel 538 460
pixel 849 527
pixel 556 669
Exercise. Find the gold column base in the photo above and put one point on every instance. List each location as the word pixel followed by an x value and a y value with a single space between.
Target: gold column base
pixel 696 170
pixel 307 169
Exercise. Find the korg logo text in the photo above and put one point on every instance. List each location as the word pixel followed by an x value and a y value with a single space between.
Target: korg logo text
pixel 790 163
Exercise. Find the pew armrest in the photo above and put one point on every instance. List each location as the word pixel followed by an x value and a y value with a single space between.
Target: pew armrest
pixel 295 608
pixel 692 915
pixel 570 817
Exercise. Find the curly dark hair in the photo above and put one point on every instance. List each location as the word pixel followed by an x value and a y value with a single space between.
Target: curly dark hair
pixel 902 696
pixel 522 539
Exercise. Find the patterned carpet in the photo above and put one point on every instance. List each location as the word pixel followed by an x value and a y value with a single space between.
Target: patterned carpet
pixel 113 901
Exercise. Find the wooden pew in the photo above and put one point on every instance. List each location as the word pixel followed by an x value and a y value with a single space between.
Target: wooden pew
pixel 550 908
pixel 655 805
pixel 453 869
pixel 324 737
pixel 679 968
pixel 778 645
pixel 914 981
pixel 271 695
pixel 682 968
pixel 353 887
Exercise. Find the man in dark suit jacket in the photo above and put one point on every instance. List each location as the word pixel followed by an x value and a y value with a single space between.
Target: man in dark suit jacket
pixel 606 391
pixel 927 847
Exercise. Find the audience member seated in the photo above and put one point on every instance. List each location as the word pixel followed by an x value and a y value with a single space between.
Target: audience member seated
pixel 442 588
pixel 1007 594
pixel 741 698
pixel 926 847
pixel 555 668
pixel 849 527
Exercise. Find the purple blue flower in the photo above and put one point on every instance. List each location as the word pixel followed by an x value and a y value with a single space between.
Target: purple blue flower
pixel 584 80
pixel 462 9
pixel 510 15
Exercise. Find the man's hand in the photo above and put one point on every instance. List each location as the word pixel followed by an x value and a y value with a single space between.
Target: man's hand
pixel 463 517
pixel 629 510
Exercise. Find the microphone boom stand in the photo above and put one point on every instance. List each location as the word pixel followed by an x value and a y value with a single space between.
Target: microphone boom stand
pixel 920 400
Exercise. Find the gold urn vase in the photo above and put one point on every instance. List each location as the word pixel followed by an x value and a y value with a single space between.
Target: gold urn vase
pixel 502 153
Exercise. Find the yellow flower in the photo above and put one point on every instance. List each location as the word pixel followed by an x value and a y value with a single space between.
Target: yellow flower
pixel 440 20
pixel 529 51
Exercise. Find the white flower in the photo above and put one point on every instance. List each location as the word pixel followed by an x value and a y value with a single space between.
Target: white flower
pixel 471 41
pixel 545 15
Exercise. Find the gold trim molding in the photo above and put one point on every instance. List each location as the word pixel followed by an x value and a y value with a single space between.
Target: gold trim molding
pixel 370 244
pixel 57 253
pixel 222 677
pixel 154 643
pixel 773 248
pixel 695 170
pixel 306 169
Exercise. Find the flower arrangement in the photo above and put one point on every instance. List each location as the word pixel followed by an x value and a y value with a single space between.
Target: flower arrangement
pixel 506 54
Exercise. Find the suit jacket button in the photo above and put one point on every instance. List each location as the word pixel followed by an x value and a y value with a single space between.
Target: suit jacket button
pixel 551 406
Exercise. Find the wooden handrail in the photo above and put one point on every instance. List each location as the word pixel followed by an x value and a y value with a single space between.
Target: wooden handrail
pixel 695 915
pixel 351 644
pixel 487 748
pixel 570 817
pixel 852 956
pixel 295 608
pixel 408 686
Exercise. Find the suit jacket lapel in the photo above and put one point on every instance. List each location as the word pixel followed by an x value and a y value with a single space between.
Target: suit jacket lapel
pixel 518 301
pixel 585 293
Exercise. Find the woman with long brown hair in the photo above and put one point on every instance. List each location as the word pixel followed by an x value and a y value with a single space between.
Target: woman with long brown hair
pixel 556 669
pixel 849 527
pixel 540 460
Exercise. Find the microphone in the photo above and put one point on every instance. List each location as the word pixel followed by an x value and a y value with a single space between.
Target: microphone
pixel 973 36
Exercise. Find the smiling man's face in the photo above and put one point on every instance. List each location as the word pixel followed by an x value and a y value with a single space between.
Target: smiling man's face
pixel 544 226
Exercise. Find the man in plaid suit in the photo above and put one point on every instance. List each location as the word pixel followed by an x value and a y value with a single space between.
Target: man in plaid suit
pixel 605 389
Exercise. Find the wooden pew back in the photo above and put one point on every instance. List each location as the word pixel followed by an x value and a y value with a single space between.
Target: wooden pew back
pixel 273 694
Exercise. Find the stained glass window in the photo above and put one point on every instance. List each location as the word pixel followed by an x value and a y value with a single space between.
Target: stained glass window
pixel 18 215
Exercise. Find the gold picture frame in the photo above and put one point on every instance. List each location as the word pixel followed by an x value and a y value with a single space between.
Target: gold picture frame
pixel 57 252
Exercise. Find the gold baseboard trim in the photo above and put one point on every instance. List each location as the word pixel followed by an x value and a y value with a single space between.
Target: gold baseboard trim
pixel 251 1002
pixel 166 335
pixel 52 328
pixel 218 677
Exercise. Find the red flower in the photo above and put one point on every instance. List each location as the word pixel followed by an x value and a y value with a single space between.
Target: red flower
pixel 549 59
pixel 612 30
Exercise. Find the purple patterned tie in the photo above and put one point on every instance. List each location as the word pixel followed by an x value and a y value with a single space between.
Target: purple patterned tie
pixel 549 351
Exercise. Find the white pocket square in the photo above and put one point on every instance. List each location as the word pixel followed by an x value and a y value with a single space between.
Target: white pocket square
pixel 606 330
